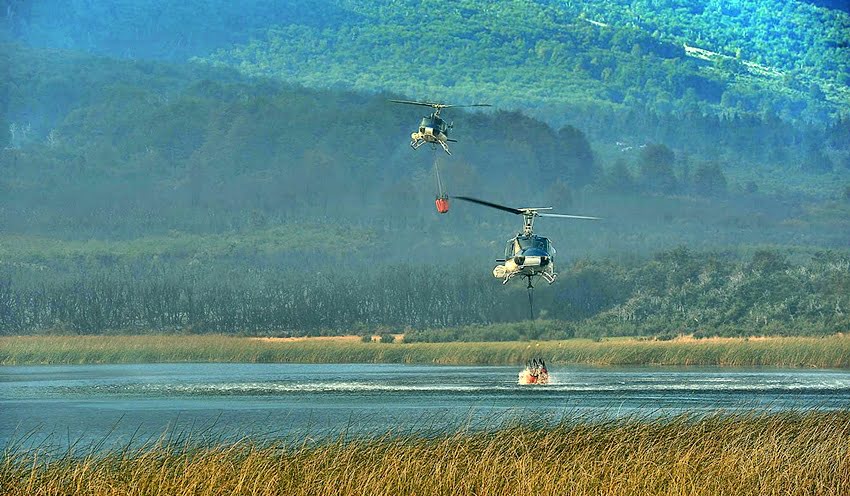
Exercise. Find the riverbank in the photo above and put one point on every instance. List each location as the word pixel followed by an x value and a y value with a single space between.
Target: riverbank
pixel 792 352
pixel 744 454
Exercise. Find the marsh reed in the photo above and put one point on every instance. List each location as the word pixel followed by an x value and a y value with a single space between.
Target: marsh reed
pixel 791 453
pixel 825 352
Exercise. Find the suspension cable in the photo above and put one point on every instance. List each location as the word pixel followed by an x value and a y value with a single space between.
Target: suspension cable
pixel 440 191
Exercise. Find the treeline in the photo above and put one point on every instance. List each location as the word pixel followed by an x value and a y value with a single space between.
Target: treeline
pixel 249 301
pixel 678 291
pixel 110 149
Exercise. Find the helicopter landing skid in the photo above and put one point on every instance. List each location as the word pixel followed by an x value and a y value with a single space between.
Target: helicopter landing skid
pixel 549 277
pixel 415 143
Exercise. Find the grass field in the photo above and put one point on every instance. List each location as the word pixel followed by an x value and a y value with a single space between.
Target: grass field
pixel 742 454
pixel 826 352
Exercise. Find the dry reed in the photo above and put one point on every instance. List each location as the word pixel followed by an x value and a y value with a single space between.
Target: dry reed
pixel 790 453
pixel 824 352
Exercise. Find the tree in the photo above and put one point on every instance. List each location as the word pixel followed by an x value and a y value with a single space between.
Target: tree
pixel 709 180
pixel 656 168
pixel 559 194
pixel 578 155
pixel 5 133
pixel 815 160
pixel 619 178
pixel 768 261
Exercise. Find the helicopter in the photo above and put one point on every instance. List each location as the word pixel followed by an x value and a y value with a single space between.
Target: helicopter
pixel 526 254
pixel 433 129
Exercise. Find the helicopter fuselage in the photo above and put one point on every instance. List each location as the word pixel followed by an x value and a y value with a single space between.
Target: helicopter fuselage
pixel 527 256
pixel 432 129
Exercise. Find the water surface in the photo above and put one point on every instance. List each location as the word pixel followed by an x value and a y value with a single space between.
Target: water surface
pixel 114 404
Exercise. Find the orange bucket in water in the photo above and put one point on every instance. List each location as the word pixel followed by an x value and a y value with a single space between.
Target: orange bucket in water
pixel 442 204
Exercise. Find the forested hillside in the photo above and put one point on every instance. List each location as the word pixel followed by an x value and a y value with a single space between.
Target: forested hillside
pixel 761 86
pixel 222 195
pixel 786 59
pixel 119 150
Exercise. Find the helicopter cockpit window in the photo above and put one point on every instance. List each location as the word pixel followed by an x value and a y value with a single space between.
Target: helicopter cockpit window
pixel 509 248
pixel 533 242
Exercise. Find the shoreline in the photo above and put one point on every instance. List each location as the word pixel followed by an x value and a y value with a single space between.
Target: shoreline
pixel 832 352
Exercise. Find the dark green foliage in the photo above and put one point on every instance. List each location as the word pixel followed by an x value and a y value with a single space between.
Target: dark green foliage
pixel 578 157
pixel 709 180
pixel 610 68
pixel 656 168
pixel 677 291
pixel 5 134
pixel 614 52
pixel 387 338
pixel 619 178
pixel 767 261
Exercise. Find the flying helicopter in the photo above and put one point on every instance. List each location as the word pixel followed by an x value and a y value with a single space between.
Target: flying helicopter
pixel 433 129
pixel 526 254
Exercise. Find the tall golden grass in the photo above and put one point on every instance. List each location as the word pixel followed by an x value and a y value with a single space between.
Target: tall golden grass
pixel 826 352
pixel 743 454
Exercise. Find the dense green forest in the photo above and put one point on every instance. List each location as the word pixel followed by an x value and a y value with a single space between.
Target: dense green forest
pixel 751 98
pixel 118 150
pixel 565 60
pixel 222 195
pixel 673 292
pixel 788 57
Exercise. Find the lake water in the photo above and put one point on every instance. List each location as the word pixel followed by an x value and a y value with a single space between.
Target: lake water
pixel 114 404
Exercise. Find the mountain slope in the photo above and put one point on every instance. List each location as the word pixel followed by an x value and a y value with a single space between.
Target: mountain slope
pixel 551 57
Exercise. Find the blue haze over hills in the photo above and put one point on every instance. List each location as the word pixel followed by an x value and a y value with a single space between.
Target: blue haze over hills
pixel 197 140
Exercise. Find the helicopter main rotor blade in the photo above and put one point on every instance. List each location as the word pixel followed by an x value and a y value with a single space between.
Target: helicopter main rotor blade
pixel 422 104
pixel 439 105
pixel 489 204
pixel 470 105
pixel 565 216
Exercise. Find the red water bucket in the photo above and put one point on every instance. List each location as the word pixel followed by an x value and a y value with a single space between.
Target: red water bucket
pixel 442 204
